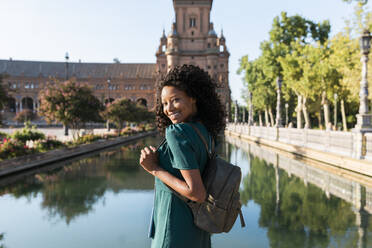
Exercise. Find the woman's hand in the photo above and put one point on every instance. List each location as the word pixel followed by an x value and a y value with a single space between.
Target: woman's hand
pixel 149 159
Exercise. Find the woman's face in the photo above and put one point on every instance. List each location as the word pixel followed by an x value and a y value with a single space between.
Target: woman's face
pixel 177 105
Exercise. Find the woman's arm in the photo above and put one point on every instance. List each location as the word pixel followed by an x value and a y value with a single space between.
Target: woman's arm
pixel 191 187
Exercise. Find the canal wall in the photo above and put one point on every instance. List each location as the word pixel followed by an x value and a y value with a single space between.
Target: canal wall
pixel 332 147
pixel 20 164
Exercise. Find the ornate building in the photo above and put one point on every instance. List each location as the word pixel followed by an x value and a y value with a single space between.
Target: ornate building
pixel 108 81
pixel 192 40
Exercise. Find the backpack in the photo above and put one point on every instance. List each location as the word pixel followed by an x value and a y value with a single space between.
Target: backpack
pixel 221 179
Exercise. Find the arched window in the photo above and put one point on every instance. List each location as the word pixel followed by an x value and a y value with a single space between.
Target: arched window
pixel 11 105
pixel 28 103
pixel 142 101
pixel 192 22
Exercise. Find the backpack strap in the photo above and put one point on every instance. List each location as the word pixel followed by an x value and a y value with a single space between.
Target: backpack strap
pixel 210 153
pixel 161 143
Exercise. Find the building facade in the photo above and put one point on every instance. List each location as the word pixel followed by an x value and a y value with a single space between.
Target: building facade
pixel 192 40
pixel 25 79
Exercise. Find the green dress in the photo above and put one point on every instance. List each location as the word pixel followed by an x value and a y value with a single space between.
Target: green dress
pixel 172 220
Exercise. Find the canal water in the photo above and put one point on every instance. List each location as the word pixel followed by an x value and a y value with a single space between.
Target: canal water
pixel 105 200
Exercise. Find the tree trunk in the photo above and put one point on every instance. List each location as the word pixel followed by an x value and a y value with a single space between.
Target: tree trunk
pixel 343 115
pixel 65 128
pixel 298 110
pixel 266 118
pixel 306 114
pixel 320 124
pixel 260 118
pixel 271 116
pixel 326 111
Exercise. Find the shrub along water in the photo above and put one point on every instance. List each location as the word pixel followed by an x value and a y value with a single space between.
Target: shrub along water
pixel 16 145
pixel 27 133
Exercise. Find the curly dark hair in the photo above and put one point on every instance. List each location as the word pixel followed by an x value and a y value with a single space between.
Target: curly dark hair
pixel 196 83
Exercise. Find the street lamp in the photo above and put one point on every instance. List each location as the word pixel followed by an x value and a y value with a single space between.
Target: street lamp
pixel 108 102
pixel 363 117
pixel 66 78
pixel 250 114
pixel 236 112
pixel 66 67
pixel 286 114
pixel 335 114
pixel 278 115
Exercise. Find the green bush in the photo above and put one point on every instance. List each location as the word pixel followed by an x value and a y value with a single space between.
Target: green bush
pixel 48 144
pixel 13 148
pixel 4 135
pixel 127 131
pixel 85 139
pixel 141 127
pixel 109 136
pixel 149 127
pixel 25 115
pixel 26 134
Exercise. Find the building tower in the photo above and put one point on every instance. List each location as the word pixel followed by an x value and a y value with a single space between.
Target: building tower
pixel 193 40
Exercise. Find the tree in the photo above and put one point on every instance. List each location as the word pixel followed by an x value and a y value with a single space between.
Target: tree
pixel 124 110
pixel 116 61
pixel 70 104
pixel 345 56
pixel 25 115
pixel 256 82
pixel 363 2
pixel 142 114
pixel 286 30
pixel 3 95
pixel 311 76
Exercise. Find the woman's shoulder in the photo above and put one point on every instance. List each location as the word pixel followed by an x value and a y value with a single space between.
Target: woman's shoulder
pixel 186 130
pixel 177 130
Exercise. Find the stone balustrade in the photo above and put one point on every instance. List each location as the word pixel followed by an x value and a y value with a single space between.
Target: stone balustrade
pixel 336 142
pixel 368 146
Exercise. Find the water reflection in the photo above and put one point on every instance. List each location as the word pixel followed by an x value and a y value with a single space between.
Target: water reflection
pixel 1 239
pixel 314 208
pixel 75 188
pixel 105 199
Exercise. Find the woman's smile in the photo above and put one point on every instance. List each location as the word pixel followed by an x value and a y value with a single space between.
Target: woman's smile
pixel 174 115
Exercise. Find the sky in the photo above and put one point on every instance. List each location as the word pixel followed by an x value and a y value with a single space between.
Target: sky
pixel 99 31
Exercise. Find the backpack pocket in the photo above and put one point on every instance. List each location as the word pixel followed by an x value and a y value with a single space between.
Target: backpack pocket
pixel 210 217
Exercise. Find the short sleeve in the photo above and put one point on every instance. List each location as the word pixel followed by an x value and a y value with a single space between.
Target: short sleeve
pixel 184 155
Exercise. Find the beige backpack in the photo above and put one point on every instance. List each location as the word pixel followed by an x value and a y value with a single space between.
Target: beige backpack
pixel 221 208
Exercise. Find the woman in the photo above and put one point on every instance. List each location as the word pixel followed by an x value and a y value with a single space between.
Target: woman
pixel 186 95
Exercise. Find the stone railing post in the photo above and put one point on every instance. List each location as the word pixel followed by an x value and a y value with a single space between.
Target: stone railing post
pixel 277 133
pixel 359 147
